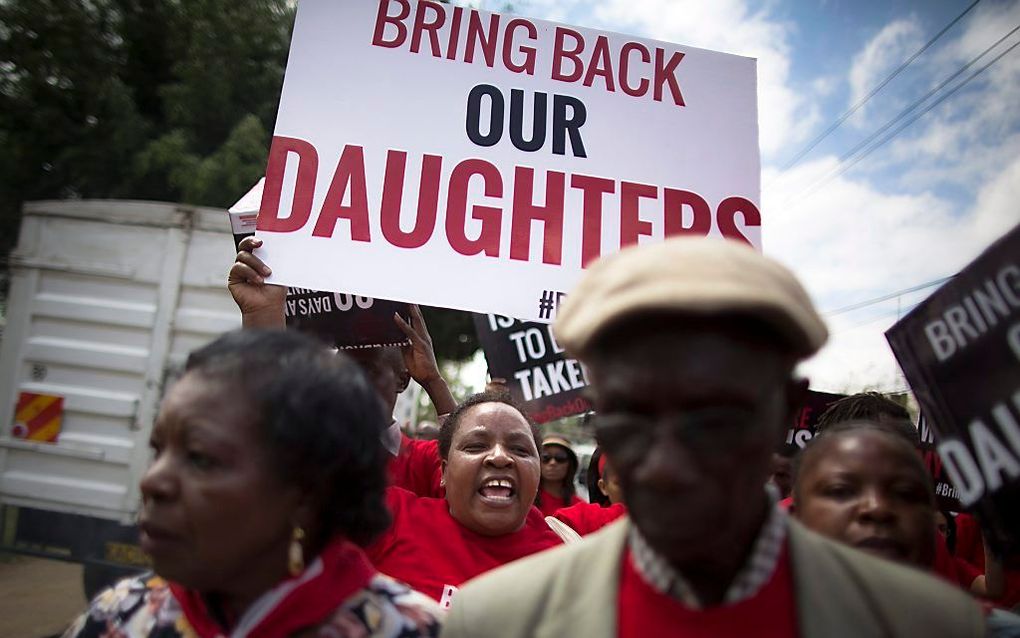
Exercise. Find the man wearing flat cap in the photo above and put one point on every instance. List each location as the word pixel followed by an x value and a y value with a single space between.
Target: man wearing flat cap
pixel 691 346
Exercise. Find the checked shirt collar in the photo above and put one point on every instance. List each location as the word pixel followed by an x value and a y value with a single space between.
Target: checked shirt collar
pixel 761 564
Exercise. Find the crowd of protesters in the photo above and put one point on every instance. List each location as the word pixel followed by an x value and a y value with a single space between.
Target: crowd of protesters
pixel 283 499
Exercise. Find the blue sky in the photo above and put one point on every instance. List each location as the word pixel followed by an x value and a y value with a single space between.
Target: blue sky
pixel 915 210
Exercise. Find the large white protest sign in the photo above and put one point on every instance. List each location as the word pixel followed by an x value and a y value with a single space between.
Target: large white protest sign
pixel 465 159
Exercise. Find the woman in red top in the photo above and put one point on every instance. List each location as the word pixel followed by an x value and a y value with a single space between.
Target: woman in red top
pixel 860 484
pixel 491 474
pixel 559 466
pixel 267 473
pixel 606 499
pixel 603 482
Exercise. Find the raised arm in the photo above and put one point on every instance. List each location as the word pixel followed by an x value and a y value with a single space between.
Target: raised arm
pixel 261 304
pixel 420 360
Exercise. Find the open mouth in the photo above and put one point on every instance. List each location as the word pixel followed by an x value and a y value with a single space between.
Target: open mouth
pixel 497 491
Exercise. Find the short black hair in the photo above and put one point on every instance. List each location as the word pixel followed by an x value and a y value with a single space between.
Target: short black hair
pixel 319 419
pixel 807 456
pixel 372 360
pixel 452 422
pixel 595 495
pixel 873 407
pixel 788 450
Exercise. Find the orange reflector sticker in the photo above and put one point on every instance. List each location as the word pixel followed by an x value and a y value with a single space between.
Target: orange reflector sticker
pixel 38 417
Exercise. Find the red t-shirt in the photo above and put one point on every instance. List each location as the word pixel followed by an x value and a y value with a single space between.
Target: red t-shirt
pixel 585 518
pixel 955 570
pixel 549 503
pixel 970 552
pixel 418 467
pixel 643 611
pixel 969 545
pixel 1011 598
pixel 433 553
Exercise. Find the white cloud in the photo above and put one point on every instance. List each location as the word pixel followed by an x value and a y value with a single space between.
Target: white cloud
pixel 555 10
pixel 824 86
pixel 995 210
pixel 850 242
pixel 879 57
pixel 975 131
pixel 990 22
pixel 918 209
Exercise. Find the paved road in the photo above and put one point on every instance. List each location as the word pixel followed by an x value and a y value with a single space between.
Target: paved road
pixel 38 597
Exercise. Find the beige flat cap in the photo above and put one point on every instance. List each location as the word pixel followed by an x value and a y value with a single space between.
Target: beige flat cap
pixel 688 275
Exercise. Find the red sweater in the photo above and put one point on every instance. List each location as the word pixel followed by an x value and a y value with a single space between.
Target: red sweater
pixel 418 467
pixel 969 545
pixel 433 553
pixel 643 611
pixel 550 504
pixel 970 553
pixel 1011 598
pixel 955 570
pixel 585 518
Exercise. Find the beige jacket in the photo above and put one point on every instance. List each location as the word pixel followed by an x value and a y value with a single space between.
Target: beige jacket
pixel 840 592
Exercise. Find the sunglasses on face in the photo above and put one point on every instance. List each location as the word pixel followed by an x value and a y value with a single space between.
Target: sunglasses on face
pixel 559 458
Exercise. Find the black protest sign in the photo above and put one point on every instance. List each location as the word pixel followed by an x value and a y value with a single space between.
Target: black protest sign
pixel 339 319
pixel 538 375
pixel 960 352
pixel 805 424
pixel 344 320
pixel 945 493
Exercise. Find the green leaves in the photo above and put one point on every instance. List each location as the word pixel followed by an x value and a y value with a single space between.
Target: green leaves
pixel 150 99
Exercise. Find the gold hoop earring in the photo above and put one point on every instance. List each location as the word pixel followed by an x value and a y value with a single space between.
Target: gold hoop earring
pixel 296 553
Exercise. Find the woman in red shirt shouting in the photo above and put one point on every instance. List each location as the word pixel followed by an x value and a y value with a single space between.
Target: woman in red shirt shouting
pixel 490 453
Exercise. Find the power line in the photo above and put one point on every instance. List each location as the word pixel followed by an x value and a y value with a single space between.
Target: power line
pixel 886 297
pixel 853 109
pixel 924 99
pixel 881 317
pixel 844 166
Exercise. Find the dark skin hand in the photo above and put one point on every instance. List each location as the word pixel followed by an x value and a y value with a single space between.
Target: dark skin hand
pixel 262 306
pixel 420 360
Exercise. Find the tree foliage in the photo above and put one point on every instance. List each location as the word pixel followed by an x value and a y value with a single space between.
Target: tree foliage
pixel 151 99
pixel 171 100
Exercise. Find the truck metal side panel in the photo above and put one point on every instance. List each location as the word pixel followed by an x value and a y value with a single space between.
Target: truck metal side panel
pixel 107 298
